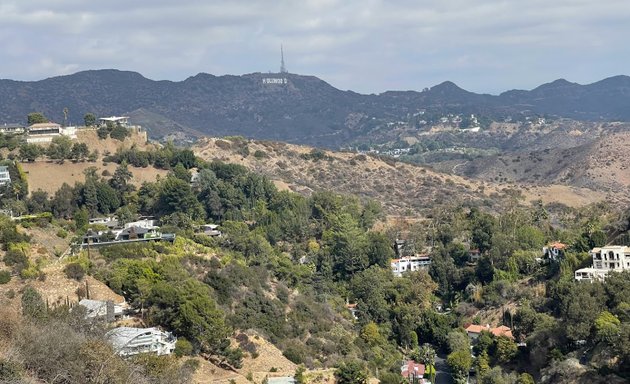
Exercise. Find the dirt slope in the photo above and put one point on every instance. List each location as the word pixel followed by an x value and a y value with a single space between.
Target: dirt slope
pixel 401 188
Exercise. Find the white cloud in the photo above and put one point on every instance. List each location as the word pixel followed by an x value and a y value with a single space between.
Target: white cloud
pixel 367 46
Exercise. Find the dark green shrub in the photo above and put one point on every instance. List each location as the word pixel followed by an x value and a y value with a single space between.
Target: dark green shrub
pixel 74 271
pixel 5 277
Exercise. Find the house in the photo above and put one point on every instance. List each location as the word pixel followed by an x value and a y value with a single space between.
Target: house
pixel 102 309
pixel 413 372
pixel 211 230
pixel 45 132
pixel 12 129
pixel 605 259
pixel 132 341
pixel 134 233
pixel 5 177
pixel 474 330
pixel 109 222
pixel 116 120
pixel 353 310
pixel 474 255
pixel 410 263
pixel 554 251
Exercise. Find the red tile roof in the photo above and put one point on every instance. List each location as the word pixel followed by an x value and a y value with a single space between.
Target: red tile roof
pixel 411 369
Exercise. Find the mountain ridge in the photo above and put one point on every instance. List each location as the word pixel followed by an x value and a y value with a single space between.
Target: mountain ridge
pixel 290 107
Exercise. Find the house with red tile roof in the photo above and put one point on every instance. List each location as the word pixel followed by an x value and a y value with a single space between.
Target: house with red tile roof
pixel 413 372
pixel 474 330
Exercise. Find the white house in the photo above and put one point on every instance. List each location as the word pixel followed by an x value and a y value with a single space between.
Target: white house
pixel 132 341
pixel 410 263
pixel 102 309
pixel 605 259
pixel 12 128
pixel 45 132
pixel 116 120
pixel 5 177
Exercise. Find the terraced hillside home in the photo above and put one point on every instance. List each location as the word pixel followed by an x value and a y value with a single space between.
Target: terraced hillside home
pixel 410 264
pixel 605 259
pixel 132 341
pixel 5 177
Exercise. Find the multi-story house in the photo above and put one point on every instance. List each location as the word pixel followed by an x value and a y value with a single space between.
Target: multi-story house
pixel 132 341
pixel 605 259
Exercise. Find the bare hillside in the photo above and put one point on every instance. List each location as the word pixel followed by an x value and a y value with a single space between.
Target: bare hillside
pixel 600 166
pixel 401 188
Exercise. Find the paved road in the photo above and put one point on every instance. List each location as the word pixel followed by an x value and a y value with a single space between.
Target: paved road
pixel 442 373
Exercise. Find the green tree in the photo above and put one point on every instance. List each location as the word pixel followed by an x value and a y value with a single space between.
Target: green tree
pixel 460 362
pixel 119 132
pixel 120 179
pixel 36 118
pixel 29 152
pixel 506 349
pixel 525 378
pixel 33 306
pixel 60 148
pixel 607 326
pixel 89 119
pixel 351 372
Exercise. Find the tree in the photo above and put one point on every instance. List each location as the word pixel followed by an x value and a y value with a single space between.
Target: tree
pixel 351 372
pixel 29 152
pixel 89 119
pixel 120 179
pixel 460 362
pixel 506 349
pixel 60 148
pixel 36 118
pixel 119 132
pixel 607 326
pixel 33 306
pixel 63 203
pixel 458 340
pixel 525 378
pixel 79 152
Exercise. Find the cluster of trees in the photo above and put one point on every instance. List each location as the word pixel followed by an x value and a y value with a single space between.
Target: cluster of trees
pixel 165 157
pixel 61 148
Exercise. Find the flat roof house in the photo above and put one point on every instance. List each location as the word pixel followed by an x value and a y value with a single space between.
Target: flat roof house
pixel 132 341
pixel 410 263
pixel 44 132
pixel 5 177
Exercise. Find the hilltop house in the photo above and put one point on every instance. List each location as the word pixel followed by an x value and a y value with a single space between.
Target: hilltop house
pixel 132 341
pixel 116 120
pixel 605 259
pixel 45 132
pixel 5 177
pixel 12 129
pixel 410 263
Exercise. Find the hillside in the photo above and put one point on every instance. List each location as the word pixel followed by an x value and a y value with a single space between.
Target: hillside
pixel 600 166
pixel 49 176
pixel 400 187
pixel 291 107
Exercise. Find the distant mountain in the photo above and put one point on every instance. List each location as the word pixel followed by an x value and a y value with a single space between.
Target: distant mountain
pixel 290 107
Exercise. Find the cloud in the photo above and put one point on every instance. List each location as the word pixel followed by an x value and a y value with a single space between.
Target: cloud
pixel 366 46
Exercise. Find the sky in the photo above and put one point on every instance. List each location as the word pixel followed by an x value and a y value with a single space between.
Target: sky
pixel 368 46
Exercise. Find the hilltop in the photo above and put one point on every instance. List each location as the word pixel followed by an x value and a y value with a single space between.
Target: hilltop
pixel 294 108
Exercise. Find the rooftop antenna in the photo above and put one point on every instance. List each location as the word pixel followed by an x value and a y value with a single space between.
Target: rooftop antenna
pixel 283 69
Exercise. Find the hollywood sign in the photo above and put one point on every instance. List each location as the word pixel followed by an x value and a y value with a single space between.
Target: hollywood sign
pixel 271 80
